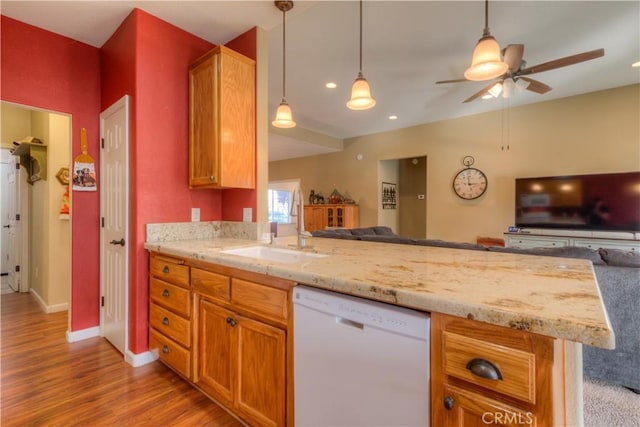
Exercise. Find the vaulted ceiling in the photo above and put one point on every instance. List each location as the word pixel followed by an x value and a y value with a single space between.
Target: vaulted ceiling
pixel 407 47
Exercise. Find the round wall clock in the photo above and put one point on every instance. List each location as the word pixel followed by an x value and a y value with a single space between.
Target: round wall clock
pixel 470 183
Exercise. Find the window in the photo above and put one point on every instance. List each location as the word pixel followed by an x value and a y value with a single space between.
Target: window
pixel 280 195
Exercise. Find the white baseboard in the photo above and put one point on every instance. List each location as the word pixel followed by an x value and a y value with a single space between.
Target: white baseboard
pixel 83 334
pixel 48 308
pixel 140 359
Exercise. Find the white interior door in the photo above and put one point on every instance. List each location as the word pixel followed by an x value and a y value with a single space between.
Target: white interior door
pixel 114 196
pixel 6 164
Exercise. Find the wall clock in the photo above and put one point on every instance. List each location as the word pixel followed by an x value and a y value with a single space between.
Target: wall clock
pixel 470 183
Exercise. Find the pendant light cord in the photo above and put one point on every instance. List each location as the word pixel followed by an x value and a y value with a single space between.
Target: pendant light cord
pixel 284 72
pixel 360 36
pixel 486 19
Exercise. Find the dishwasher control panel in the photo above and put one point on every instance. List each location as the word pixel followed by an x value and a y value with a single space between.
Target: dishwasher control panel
pixel 364 313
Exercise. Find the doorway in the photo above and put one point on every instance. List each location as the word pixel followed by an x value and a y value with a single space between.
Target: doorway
pixel 407 216
pixel 39 243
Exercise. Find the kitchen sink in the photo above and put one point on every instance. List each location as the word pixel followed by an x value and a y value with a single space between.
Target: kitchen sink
pixel 269 253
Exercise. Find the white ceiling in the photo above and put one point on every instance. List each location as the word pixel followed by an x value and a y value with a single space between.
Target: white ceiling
pixel 408 45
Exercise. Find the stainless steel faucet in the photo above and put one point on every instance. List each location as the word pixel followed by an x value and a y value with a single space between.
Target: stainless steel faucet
pixel 297 209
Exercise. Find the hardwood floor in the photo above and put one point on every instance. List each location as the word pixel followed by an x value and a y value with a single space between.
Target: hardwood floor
pixel 46 381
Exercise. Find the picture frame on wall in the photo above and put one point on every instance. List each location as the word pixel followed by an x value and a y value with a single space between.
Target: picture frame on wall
pixel 388 195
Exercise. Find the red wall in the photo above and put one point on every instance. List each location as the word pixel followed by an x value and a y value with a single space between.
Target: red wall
pixel 147 59
pixel 49 71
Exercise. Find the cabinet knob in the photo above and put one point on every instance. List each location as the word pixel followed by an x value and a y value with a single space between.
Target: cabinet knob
pixel 448 403
pixel 165 349
pixel 484 369
pixel 231 321
pixel 165 321
pixel 165 270
pixel 165 293
pixel 212 178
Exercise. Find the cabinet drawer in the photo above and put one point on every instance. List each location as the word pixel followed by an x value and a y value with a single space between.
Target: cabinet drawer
pixel 517 367
pixel 169 296
pixel 213 285
pixel 170 271
pixel 171 353
pixel 260 299
pixel 170 324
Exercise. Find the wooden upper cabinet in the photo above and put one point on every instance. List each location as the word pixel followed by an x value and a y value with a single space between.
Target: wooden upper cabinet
pixel 222 120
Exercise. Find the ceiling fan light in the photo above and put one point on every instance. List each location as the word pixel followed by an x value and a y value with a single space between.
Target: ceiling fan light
pixel 495 90
pixel 284 118
pixel 361 98
pixel 486 63
pixel 521 85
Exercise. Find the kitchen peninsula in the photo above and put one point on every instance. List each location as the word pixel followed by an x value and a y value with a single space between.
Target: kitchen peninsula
pixel 544 306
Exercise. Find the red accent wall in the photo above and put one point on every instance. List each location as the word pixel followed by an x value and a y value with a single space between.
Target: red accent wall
pixel 49 71
pixel 147 59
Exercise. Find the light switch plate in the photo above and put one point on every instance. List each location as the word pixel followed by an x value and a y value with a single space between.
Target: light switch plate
pixel 195 214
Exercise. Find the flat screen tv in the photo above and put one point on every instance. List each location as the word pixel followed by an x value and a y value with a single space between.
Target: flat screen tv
pixel 608 202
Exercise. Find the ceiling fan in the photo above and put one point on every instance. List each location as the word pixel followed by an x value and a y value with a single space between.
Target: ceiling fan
pixel 515 76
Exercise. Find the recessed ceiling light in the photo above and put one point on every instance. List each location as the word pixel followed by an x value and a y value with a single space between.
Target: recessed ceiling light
pixel 636 64
pixel 331 85
pixel 393 117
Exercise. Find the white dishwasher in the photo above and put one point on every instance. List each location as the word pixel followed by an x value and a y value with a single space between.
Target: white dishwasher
pixel 359 362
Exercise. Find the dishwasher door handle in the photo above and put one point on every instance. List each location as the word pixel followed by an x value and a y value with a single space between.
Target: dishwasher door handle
pixel 347 322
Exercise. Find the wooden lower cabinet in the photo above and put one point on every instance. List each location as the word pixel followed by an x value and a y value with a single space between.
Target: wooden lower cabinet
pixel 484 375
pixel 242 363
pixel 319 217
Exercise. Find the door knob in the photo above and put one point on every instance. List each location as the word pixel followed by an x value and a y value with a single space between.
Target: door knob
pixel 6 226
pixel 117 242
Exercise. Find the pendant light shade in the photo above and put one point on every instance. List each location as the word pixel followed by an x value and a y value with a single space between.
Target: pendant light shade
pixel 486 63
pixel 361 94
pixel 361 98
pixel 284 117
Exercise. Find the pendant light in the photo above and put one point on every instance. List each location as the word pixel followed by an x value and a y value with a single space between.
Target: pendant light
pixel 284 118
pixel 487 62
pixel 360 92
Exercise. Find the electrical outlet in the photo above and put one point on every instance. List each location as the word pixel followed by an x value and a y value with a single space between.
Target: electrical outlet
pixel 195 214
pixel 247 214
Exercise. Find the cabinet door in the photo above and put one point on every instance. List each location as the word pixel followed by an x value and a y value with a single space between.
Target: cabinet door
pixel 217 351
pixel 204 141
pixel 314 218
pixel 261 373
pixel 464 408
pixel 236 99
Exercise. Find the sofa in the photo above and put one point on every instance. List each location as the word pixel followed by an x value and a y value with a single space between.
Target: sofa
pixel 618 276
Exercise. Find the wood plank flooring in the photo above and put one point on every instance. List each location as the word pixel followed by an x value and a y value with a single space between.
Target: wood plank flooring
pixel 46 381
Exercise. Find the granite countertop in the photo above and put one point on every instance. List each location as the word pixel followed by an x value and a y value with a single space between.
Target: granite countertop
pixel 557 297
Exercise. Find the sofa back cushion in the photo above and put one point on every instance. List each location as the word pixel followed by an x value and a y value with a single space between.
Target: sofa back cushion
pixel 620 258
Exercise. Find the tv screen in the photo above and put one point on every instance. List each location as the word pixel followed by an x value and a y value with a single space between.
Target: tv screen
pixel 585 202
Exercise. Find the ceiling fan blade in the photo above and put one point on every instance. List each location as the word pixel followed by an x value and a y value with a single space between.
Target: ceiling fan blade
pixel 452 81
pixel 480 93
pixel 513 56
pixel 536 86
pixel 563 62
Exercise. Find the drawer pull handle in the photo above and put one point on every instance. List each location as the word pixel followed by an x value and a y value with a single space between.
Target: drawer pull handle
pixel 231 321
pixel 165 270
pixel 165 321
pixel 165 349
pixel 484 369
pixel 165 293
pixel 448 403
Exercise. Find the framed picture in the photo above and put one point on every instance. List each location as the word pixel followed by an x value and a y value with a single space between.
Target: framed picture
pixel 388 195
pixel 63 176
